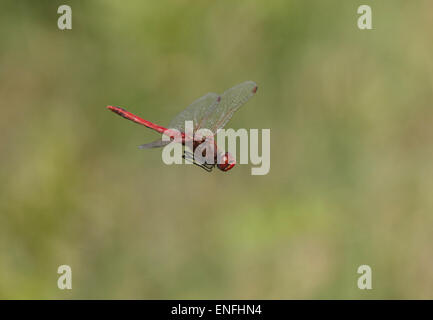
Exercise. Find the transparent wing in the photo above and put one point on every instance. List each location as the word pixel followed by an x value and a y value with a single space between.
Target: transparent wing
pixel 210 111
pixel 231 101
pixel 196 111
pixel 154 144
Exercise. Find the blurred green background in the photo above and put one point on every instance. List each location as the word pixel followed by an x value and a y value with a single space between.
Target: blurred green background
pixel 351 179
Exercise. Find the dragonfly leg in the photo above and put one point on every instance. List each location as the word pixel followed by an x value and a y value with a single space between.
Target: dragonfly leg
pixel 190 157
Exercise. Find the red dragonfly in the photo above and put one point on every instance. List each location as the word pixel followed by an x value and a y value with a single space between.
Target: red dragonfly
pixel 212 112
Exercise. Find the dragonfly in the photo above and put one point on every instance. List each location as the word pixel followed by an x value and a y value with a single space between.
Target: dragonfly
pixel 212 111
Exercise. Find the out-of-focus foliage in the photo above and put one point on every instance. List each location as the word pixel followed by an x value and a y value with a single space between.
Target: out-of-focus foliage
pixel 351 178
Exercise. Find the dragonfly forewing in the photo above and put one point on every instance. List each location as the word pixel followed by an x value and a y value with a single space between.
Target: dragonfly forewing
pixel 231 100
pixel 211 111
pixel 195 112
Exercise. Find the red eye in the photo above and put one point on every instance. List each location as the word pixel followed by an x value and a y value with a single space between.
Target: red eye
pixel 229 166
pixel 227 162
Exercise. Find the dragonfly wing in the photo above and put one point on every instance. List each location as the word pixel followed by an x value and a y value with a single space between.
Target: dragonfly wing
pixel 196 112
pixel 231 101
pixel 154 144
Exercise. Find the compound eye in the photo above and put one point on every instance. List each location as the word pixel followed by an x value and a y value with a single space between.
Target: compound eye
pixel 228 166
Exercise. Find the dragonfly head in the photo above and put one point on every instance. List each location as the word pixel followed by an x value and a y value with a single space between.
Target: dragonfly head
pixel 227 161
